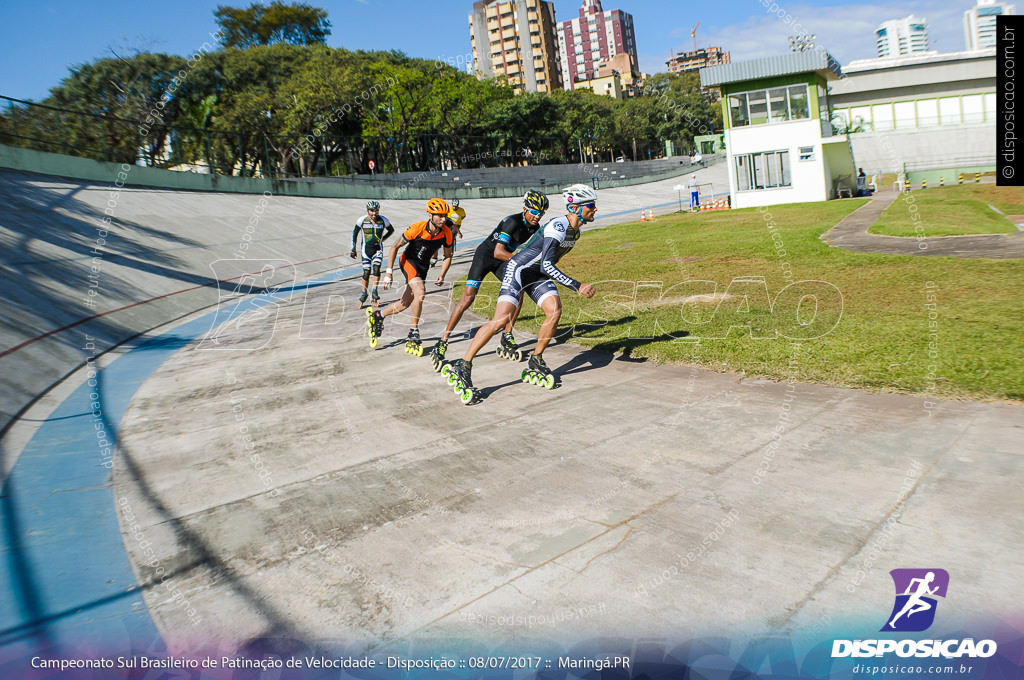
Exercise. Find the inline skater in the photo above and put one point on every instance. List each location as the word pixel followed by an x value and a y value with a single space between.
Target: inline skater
pixel 490 255
pixel 422 240
pixel 454 223
pixel 375 229
pixel 533 270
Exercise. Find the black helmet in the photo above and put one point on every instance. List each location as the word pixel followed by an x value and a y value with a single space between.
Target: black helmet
pixel 535 200
pixel 454 203
pixel 372 205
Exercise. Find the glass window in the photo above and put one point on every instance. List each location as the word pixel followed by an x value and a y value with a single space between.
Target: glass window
pixel 777 104
pixel 904 115
pixel 743 173
pixel 738 110
pixel 799 107
pixel 927 113
pixel 774 170
pixel 807 153
pixel 881 115
pixel 757 102
pixel 841 120
pixel 949 110
pixel 762 170
pixel 861 116
pixel 974 108
pixel 990 106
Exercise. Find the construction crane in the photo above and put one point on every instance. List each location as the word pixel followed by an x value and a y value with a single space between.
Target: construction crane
pixel 693 34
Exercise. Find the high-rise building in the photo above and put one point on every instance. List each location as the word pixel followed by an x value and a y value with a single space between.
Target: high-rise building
pixel 980 23
pixel 696 60
pixel 516 38
pixel 908 35
pixel 593 37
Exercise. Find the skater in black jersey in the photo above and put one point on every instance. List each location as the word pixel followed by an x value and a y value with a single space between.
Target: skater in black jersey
pixel 533 271
pixel 490 255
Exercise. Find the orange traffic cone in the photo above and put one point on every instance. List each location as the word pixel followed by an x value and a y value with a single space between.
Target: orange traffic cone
pixel 650 213
pixel 643 215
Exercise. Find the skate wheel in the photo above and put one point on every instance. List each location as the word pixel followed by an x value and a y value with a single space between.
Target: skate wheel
pixel 519 355
pixel 549 382
pixel 466 396
pixel 458 388
pixel 437 366
pixel 445 370
pixel 373 343
pixel 525 376
pixel 534 379
pixel 452 380
pixel 419 351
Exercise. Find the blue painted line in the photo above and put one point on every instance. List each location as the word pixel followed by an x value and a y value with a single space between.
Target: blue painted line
pixel 65 570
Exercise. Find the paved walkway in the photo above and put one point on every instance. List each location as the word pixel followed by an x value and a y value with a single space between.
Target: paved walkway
pixel 852 234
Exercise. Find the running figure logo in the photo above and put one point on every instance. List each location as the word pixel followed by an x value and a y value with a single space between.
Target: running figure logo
pixel 914 610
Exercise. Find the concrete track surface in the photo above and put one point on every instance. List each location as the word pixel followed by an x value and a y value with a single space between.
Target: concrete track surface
pixel 293 482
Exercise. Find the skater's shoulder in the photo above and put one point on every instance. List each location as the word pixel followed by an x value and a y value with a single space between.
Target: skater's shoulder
pixel 557 225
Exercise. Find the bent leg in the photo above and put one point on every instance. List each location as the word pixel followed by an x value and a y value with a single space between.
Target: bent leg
pixel 502 314
pixel 468 295
pixel 416 291
pixel 552 306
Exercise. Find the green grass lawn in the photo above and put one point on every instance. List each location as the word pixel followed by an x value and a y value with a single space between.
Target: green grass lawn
pixel 953 211
pixel 707 290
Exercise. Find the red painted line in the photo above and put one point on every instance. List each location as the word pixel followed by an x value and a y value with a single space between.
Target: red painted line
pixel 143 302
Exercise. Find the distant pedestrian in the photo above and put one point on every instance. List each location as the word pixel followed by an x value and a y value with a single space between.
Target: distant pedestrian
pixel 694 193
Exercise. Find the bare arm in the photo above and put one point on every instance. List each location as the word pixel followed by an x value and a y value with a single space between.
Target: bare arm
pixel 448 251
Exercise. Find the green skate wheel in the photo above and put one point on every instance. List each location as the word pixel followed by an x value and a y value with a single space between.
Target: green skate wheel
pixel 549 382
pixel 458 387
pixel 373 343
pixel 525 376
pixel 452 380
pixel 466 396
pixel 445 370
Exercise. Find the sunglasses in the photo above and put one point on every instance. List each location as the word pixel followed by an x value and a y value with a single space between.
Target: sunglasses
pixel 592 205
pixel 534 212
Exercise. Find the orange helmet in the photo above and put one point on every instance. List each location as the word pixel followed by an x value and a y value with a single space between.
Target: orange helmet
pixel 438 206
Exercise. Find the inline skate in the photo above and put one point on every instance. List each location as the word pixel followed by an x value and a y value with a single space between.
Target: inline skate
pixel 413 345
pixel 538 373
pixel 376 323
pixel 509 349
pixel 437 355
pixel 459 377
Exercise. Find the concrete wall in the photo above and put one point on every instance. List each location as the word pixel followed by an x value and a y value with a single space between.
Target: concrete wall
pixel 503 182
pixel 922 149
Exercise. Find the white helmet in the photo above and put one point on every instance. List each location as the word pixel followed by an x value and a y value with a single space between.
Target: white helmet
pixel 578 193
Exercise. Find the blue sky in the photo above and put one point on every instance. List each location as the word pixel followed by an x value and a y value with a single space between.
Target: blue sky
pixel 40 40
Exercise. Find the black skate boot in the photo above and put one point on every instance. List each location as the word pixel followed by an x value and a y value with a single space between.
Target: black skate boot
pixel 412 343
pixel 437 355
pixel 376 323
pixel 538 373
pixel 509 349
pixel 460 377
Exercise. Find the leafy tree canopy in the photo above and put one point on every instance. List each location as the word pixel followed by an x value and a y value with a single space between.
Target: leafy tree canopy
pixel 294 24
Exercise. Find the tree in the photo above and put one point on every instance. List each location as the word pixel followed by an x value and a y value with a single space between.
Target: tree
pixel 140 90
pixel 295 24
